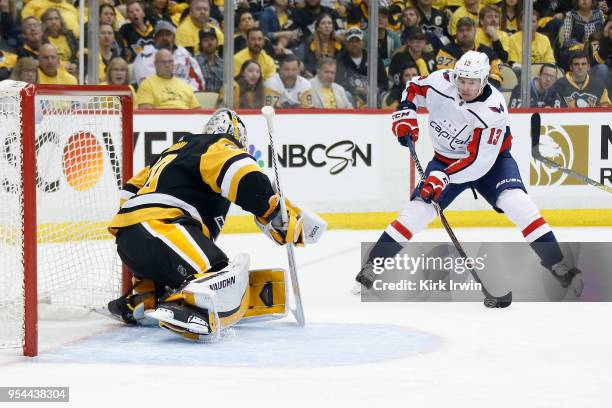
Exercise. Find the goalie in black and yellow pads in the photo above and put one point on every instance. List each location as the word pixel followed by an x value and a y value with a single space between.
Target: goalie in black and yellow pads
pixel 171 214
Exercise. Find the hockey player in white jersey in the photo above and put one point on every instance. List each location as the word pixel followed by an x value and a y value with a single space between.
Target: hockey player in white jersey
pixel 468 124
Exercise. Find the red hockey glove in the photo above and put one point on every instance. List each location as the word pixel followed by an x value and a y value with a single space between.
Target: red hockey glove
pixel 433 186
pixel 404 123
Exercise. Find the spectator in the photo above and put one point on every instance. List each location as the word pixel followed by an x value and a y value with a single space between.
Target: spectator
pixel 66 44
pixel 26 70
pixel 255 52
pixel 211 64
pixel 540 89
pixel 465 41
pixel 322 44
pixel 248 87
pixel 469 9
pixel 69 13
pixel 245 21
pixel 326 94
pixel 489 34
pixel 287 88
pixel 577 89
pixel 388 41
pixel 32 34
pixel 186 67
pixel 108 49
pixel 138 33
pixel 410 20
pixel 412 53
pixel 162 90
pixel 108 15
pixel 279 22
pixel 188 31
pixel 50 71
pixel 160 10
pixel 552 13
pixel 353 68
pixel 7 63
pixel 433 20
pixel 511 15
pixel 10 25
pixel 392 99
pixel 578 26
pixel 541 50
pixel 118 73
pixel 312 10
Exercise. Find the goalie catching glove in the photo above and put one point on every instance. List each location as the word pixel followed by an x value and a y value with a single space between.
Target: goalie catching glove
pixel 303 226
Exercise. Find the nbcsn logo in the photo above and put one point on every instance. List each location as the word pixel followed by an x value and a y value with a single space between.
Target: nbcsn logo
pixel 257 154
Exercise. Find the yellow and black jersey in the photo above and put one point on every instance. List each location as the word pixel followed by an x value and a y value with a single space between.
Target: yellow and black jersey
pixel 449 55
pixel 198 177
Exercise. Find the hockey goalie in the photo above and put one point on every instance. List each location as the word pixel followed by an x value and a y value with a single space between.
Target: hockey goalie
pixel 171 214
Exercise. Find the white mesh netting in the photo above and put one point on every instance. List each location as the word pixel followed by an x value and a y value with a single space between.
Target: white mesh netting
pixel 78 149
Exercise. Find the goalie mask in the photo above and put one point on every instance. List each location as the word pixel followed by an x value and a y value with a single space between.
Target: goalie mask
pixel 227 122
pixel 472 65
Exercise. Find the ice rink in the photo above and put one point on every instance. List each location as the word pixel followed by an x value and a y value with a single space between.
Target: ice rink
pixel 351 354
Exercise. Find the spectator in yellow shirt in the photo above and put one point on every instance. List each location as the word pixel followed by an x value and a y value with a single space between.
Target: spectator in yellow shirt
pixel 469 9
pixel 188 31
pixel 255 52
pixel 50 70
pixel 163 90
pixel 56 33
pixel 541 49
pixel 489 34
pixel 69 13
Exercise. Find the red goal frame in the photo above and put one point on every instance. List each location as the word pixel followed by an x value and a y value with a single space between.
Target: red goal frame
pixel 28 180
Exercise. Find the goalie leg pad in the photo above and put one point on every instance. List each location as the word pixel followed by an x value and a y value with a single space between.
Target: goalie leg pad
pixel 221 295
pixel 268 294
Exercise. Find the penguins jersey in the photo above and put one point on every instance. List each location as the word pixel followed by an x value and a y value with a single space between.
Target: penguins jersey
pixel 300 96
pixel 466 136
pixel 197 177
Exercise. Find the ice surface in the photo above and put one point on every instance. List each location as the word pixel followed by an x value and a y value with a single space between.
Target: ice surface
pixel 351 354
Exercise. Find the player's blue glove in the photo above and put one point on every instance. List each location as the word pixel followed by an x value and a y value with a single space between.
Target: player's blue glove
pixel 404 123
pixel 433 186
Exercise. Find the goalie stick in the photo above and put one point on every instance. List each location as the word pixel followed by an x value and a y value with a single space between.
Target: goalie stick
pixel 298 312
pixel 535 152
pixel 490 300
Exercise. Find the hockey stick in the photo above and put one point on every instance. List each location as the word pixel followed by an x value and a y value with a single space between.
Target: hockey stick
pixel 298 312
pixel 535 152
pixel 490 300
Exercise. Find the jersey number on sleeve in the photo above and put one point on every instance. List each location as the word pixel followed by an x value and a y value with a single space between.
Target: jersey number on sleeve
pixel 494 136
pixel 156 170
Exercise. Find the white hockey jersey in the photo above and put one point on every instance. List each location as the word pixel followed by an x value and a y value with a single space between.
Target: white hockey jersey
pixel 467 136
pixel 185 67
pixel 300 96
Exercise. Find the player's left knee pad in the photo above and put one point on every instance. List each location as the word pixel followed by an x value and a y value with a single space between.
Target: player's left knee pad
pixel 209 303
pixel 518 207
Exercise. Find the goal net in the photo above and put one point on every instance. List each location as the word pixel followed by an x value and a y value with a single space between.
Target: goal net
pixel 64 154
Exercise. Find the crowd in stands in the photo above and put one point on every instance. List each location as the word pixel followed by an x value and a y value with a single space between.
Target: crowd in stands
pixel 311 53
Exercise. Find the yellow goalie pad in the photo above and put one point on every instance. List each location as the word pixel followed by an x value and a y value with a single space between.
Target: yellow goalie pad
pixel 267 293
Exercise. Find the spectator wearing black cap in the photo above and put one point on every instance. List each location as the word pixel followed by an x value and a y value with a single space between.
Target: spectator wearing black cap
pixel 388 41
pixel 465 40
pixel 412 53
pixel 411 19
pixel 185 66
pixel 352 68
pixel 210 63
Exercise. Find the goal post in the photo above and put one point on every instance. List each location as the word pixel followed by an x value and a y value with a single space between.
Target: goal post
pixel 65 152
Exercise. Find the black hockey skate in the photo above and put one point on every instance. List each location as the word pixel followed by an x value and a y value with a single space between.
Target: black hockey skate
pixel 568 276
pixel 365 278
pixel 122 310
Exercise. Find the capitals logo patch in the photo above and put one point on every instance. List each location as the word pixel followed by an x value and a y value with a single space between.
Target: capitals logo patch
pixel 497 110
